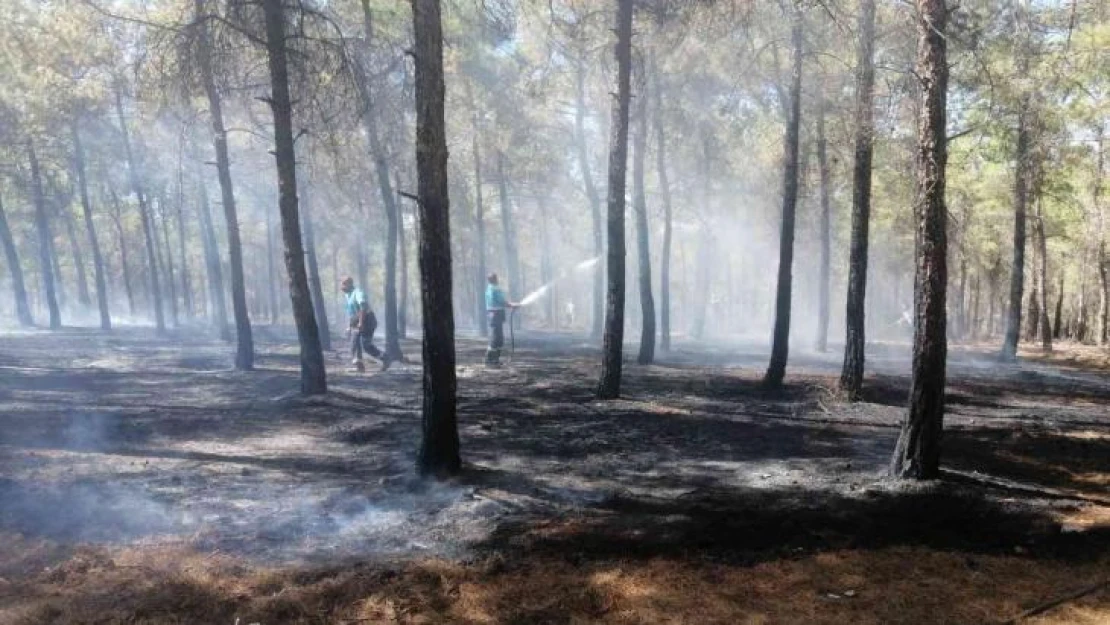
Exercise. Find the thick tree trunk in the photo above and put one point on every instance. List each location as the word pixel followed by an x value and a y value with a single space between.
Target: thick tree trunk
pixel 851 374
pixel 313 375
pixel 144 214
pixel 439 450
pixel 1058 317
pixel 42 227
pixel 117 218
pixel 319 304
pixel 403 297
pixel 1017 268
pixel 244 352
pixel 591 195
pixel 19 287
pixel 825 234
pixel 917 453
pixel 389 201
pixel 643 247
pixel 780 348
pixel 609 386
pixel 480 226
pixel 665 193
pixel 216 293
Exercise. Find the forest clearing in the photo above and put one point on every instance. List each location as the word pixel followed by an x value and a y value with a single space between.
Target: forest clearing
pixel 554 311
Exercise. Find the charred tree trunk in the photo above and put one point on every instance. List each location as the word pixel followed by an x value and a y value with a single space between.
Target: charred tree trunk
pixel 1058 317
pixel 643 247
pixel 319 305
pixel 19 287
pixel 825 235
pixel 216 298
pixel 313 375
pixel 591 195
pixel 439 450
pixel 1021 199
pixel 917 454
pixel 403 304
pixel 389 201
pixel 851 374
pixel 1042 267
pixel 117 218
pixel 1103 261
pixel 665 193
pixel 609 386
pixel 42 227
pixel 144 215
pixel 780 348
pixel 244 352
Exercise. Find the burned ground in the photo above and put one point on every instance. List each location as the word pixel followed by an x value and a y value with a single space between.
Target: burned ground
pixel 143 481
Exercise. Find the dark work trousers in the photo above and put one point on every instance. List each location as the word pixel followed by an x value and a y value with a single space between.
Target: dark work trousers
pixel 496 336
pixel 363 340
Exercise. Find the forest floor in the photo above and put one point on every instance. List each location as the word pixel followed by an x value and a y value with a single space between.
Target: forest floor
pixel 142 481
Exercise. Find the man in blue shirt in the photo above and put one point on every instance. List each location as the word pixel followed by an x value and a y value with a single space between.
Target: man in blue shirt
pixel 496 305
pixel 360 328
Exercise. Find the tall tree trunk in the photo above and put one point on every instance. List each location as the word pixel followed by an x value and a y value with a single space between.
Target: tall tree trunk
pixel 1042 257
pixel 403 297
pixel 313 375
pixel 665 192
pixel 1058 317
pixel 319 305
pixel 1021 199
pixel 917 453
pixel 57 268
pixel 591 194
pixel 19 288
pixel 217 299
pixel 244 352
pixel 609 386
pixel 961 299
pixel 851 374
pixel 83 296
pixel 701 295
pixel 42 227
pixel 389 201
pixel 825 235
pixel 780 348
pixel 1103 261
pixel 117 218
pixel 480 226
pixel 643 247
pixel 144 214
pixel 975 323
pixel 439 450
pixel 508 232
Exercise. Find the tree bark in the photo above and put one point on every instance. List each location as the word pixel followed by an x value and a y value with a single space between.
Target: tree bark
pixel 609 386
pixel 313 375
pixel 165 255
pixel 851 374
pixel 319 304
pixel 389 201
pixel 665 193
pixel 643 247
pixel 591 195
pixel 780 348
pixel 42 227
pixel 403 297
pixel 271 269
pixel 144 214
pixel 244 352
pixel 216 293
pixel 1058 317
pixel 825 235
pixel 439 450
pixel 1042 254
pixel 917 453
pixel 1103 261
pixel 19 287
pixel 1021 199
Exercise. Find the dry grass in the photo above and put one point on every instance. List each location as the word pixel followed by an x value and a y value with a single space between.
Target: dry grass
pixel 893 585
